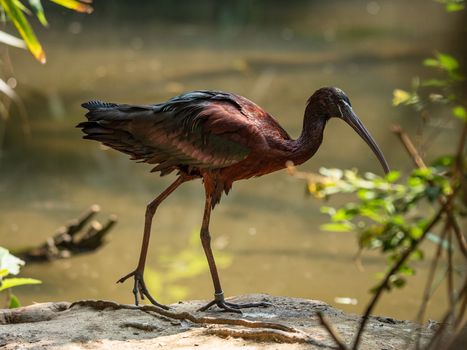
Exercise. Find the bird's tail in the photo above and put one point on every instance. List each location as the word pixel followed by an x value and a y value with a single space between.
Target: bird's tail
pixel 109 123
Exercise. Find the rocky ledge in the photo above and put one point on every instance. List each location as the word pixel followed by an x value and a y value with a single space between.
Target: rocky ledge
pixel 291 323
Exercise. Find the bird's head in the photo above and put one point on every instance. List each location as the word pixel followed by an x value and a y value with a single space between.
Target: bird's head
pixel 332 102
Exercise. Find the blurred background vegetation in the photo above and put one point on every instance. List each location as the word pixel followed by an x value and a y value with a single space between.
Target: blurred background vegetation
pixel 274 54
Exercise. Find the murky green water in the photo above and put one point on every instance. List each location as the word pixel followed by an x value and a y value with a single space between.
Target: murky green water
pixel 266 232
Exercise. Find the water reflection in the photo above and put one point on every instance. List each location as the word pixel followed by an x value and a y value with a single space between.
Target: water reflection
pixel 267 227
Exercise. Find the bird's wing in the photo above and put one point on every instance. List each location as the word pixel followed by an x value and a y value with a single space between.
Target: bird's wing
pixel 201 129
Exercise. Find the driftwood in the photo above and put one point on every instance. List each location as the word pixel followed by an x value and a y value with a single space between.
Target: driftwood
pixel 71 239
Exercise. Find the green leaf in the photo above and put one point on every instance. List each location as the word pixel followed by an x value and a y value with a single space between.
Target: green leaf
pixel 337 227
pixel 36 6
pixel 453 7
pixel 24 29
pixel 406 270
pixel 431 62
pixel 443 161
pixel 397 281
pixel 23 8
pixel 4 273
pixel 9 262
pixel 75 5
pixel 435 83
pixel 393 176
pixel 447 62
pixel 15 282
pixel 14 302
pixel 328 210
pixel 459 112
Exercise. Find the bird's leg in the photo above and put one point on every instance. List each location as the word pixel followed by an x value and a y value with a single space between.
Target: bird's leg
pixel 218 293
pixel 139 285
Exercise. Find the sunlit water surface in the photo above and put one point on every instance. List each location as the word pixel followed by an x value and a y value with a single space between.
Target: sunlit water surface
pixel 266 232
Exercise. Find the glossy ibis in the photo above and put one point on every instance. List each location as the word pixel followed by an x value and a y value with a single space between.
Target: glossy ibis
pixel 218 137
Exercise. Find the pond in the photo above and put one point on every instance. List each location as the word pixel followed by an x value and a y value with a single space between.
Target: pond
pixel 266 233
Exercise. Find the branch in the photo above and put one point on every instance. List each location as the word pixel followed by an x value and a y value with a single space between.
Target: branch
pixel 428 287
pixel 436 338
pixel 418 161
pixel 409 146
pixel 332 332
pixel 384 284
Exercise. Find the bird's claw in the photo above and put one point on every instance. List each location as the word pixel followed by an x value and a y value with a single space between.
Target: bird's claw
pixel 229 306
pixel 139 288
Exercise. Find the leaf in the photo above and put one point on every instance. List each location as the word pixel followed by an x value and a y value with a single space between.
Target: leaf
pixel 400 96
pixel 435 83
pixel 24 29
pixel 9 262
pixel 397 281
pixel 75 5
pixel 15 282
pixel 453 7
pixel 14 302
pixel 4 273
pixel 459 112
pixel 333 173
pixel 23 8
pixel 36 6
pixel 337 227
pixel 393 176
pixel 444 161
pixel 431 62
pixel 12 40
pixel 406 270
pixel 447 62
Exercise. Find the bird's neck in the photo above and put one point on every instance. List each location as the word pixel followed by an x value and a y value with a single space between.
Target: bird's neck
pixel 311 137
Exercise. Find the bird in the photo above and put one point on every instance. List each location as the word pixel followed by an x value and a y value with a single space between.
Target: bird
pixel 217 137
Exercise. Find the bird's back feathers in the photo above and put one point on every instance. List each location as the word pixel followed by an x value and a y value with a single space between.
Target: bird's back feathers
pixel 197 130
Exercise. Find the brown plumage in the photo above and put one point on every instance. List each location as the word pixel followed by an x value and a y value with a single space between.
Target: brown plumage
pixel 218 137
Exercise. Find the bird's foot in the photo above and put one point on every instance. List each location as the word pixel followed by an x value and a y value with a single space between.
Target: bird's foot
pixel 139 288
pixel 229 306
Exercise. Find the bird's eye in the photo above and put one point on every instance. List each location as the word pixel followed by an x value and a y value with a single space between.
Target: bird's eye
pixel 347 101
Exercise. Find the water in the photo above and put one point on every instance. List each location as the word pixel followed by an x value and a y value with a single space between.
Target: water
pixel 266 232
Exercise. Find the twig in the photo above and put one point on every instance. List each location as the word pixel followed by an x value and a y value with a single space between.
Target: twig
pixel 436 337
pixel 384 284
pixel 450 278
pixel 410 148
pixel 460 316
pixel 459 235
pixel 460 152
pixel 341 345
pixel 418 161
pixel 428 287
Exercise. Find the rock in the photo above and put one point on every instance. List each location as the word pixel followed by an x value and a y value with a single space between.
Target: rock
pixel 290 324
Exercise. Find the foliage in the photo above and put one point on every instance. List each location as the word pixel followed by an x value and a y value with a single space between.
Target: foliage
pixel 453 5
pixel 389 214
pixel 395 215
pixel 10 265
pixel 441 90
pixel 15 10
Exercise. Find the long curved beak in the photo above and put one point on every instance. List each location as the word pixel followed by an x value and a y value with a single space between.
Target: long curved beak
pixel 351 118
